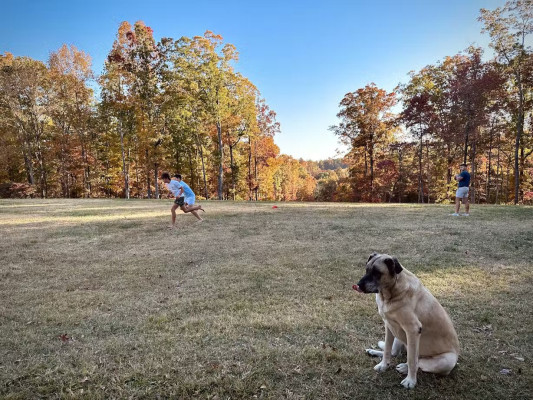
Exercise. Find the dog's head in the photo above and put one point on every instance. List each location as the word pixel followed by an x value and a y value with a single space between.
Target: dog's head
pixel 381 272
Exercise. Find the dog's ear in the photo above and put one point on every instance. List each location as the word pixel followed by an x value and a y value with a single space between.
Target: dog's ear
pixel 372 256
pixel 393 265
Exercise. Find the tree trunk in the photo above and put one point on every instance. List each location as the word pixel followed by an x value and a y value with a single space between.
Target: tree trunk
pixel 200 148
pixel 519 133
pixel 125 171
pixel 29 166
pixel 400 173
pixel 474 171
pixel 255 173
pixel 489 166
pixel 148 185
pixel 220 187
pixel 449 157
pixel 428 171
pixel 86 184
pixel 507 182
pixel 371 156
pixel 465 150
pixel 250 186
pixel 191 171
pixel 232 167
pixel 498 173
pixel 43 181
pixel 156 182
pixel 137 174
pixel 420 182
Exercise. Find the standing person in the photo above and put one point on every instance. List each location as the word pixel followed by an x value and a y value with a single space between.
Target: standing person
pixel 190 198
pixel 463 179
pixel 175 188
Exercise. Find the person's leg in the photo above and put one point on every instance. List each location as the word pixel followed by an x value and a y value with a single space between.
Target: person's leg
pixel 457 204
pixel 188 209
pixel 467 205
pixel 189 204
pixel 173 212
pixel 196 215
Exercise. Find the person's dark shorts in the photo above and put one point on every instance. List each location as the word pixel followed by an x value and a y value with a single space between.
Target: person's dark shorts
pixel 180 201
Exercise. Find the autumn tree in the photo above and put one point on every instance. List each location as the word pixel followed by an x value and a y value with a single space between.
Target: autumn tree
pixel 24 87
pixel 214 82
pixel 366 123
pixel 509 28
pixel 117 99
pixel 69 106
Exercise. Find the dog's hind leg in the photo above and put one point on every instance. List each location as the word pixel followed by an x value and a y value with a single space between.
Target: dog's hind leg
pixel 374 353
pixel 441 364
pixel 397 348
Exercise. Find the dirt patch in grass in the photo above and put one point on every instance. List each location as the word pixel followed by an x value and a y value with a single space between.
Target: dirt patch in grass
pixel 99 300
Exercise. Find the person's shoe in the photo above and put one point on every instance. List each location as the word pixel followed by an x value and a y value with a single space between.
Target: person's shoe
pixel 466 215
pixel 454 215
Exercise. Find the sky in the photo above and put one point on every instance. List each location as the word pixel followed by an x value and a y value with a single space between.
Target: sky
pixel 303 56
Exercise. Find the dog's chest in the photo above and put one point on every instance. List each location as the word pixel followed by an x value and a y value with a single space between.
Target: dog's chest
pixel 379 302
pixel 384 311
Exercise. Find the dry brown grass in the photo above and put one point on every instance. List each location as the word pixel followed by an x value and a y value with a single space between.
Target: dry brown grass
pixel 253 303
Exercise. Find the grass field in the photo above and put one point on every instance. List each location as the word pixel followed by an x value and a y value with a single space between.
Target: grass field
pixel 99 300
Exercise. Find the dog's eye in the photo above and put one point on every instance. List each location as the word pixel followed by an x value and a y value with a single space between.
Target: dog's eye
pixel 376 274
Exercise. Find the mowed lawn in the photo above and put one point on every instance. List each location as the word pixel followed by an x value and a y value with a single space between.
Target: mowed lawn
pixel 99 300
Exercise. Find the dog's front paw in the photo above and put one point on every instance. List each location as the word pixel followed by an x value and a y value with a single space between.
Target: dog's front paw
pixel 409 383
pixel 402 368
pixel 382 366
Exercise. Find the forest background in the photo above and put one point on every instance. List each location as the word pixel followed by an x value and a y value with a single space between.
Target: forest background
pixel 180 105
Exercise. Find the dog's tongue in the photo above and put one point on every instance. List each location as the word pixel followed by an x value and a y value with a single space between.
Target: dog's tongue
pixel 357 288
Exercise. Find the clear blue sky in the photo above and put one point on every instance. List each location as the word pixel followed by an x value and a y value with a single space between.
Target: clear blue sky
pixel 302 55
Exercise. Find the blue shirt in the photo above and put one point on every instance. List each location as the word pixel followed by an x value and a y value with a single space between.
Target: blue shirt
pixel 187 191
pixel 465 182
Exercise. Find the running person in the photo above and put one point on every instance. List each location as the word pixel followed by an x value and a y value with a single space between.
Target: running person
pixel 190 198
pixel 175 188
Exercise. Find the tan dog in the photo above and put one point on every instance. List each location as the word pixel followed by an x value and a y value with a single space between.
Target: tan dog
pixel 413 317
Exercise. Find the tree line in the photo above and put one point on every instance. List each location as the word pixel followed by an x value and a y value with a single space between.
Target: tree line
pixel 180 106
pixel 175 105
pixel 406 145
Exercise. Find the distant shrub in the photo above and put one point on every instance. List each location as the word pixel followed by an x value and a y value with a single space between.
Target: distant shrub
pixel 528 198
pixel 16 190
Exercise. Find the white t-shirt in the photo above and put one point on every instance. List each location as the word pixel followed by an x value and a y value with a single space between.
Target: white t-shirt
pixel 174 187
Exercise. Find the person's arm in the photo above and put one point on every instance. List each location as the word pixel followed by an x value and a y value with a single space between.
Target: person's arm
pixel 458 177
pixel 180 192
